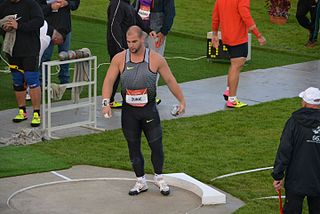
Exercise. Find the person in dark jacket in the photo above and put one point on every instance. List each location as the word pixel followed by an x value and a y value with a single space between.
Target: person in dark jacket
pixel 57 13
pixel 298 156
pixel 23 24
pixel 159 16
pixel 121 16
pixel 303 8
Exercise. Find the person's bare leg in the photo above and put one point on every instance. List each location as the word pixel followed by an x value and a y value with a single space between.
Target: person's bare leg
pixel 233 75
pixel 21 98
pixel 35 94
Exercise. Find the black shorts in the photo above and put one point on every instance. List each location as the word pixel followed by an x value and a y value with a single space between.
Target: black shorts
pixel 29 63
pixel 238 50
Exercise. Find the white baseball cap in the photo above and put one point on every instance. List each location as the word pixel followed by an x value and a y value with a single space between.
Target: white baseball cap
pixel 311 96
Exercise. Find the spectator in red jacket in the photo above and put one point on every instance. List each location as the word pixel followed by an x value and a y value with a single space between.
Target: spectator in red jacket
pixel 234 20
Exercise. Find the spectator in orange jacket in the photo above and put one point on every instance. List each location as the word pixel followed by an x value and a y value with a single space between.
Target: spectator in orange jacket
pixel 234 20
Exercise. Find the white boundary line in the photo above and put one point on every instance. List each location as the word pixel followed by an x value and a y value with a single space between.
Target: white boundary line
pixel 269 197
pixel 61 176
pixel 67 181
pixel 79 180
pixel 242 172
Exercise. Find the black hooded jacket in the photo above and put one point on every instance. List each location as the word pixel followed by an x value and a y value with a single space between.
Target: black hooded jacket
pixel 121 16
pixel 298 156
pixel 60 20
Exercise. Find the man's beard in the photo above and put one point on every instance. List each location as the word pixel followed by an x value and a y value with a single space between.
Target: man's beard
pixel 135 50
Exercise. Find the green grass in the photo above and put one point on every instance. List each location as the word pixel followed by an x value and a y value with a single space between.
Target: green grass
pixel 25 160
pixel 285 43
pixel 213 144
pixel 203 147
pixel 176 46
pixel 194 17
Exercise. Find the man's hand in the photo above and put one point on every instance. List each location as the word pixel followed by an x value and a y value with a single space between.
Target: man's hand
pixel 262 40
pixel 153 34
pixel 56 5
pixel 182 108
pixel 64 3
pixel 215 41
pixel 106 111
pixel 160 38
pixel 6 28
pixel 10 24
pixel 277 185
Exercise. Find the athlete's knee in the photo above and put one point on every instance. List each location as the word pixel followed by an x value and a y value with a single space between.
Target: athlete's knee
pixel 18 81
pixel 238 63
pixel 32 79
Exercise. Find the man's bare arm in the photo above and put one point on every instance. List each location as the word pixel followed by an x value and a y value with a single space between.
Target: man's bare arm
pixel 111 76
pixel 171 82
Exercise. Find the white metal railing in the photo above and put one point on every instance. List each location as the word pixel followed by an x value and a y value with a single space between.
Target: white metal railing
pixel 48 107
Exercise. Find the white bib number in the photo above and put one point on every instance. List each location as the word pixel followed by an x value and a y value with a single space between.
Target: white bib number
pixel 137 98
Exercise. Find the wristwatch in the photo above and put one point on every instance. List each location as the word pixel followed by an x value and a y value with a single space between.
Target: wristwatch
pixel 105 102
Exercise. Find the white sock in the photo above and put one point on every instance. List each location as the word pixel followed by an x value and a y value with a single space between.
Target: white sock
pixel 232 99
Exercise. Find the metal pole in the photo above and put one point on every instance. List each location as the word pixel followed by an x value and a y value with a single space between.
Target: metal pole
pixel 49 100
pixel 95 92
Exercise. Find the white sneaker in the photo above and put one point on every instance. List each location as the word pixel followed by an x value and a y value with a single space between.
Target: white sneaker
pixel 162 185
pixel 140 186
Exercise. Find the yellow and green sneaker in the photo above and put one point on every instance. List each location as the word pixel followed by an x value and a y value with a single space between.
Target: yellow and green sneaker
pixel 115 104
pixel 236 104
pixel 35 120
pixel 21 116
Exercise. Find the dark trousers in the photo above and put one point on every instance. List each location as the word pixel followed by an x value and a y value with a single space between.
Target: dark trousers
pixel 136 120
pixel 303 8
pixel 293 203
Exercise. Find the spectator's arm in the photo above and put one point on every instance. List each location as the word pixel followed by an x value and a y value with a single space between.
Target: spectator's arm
pixel 114 24
pixel 141 24
pixel 244 10
pixel 73 4
pixel 215 18
pixel 284 152
pixel 46 8
pixel 169 14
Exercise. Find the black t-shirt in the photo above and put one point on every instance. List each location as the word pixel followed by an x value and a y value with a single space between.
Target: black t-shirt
pixel 27 35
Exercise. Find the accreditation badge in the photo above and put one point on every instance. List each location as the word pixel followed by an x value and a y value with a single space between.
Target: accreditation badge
pixel 144 12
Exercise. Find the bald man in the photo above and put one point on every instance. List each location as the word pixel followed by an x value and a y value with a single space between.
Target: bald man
pixel 138 67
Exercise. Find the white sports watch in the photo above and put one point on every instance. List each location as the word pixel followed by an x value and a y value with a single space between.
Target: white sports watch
pixel 105 102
